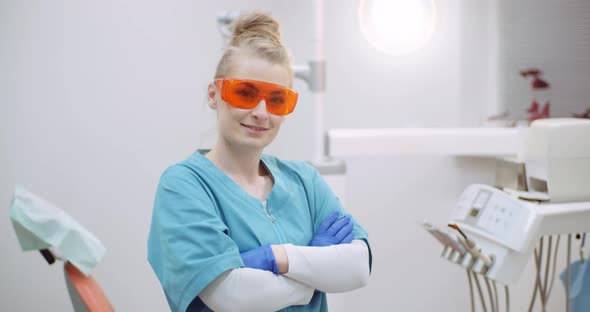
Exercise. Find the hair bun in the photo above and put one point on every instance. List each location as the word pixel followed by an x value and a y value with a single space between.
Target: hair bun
pixel 255 34
pixel 255 24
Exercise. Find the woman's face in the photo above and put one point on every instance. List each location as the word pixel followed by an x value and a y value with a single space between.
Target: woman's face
pixel 249 128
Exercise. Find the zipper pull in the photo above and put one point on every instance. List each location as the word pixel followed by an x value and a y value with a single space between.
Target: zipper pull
pixel 265 207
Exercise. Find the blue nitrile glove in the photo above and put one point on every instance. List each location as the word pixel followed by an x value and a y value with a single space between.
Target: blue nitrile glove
pixel 261 258
pixel 333 231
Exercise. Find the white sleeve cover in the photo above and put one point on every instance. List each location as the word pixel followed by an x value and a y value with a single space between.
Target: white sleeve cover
pixel 331 269
pixel 248 289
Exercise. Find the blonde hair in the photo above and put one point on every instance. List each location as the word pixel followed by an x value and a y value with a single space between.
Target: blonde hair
pixel 257 34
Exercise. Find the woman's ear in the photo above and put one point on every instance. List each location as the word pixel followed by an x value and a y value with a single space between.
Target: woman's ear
pixel 212 96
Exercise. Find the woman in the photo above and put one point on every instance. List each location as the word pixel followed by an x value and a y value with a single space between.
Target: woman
pixel 236 230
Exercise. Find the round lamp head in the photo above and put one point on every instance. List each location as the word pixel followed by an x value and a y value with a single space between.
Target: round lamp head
pixel 397 27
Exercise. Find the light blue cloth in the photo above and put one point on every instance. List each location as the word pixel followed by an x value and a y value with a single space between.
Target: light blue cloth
pixel 202 220
pixel 580 286
pixel 41 225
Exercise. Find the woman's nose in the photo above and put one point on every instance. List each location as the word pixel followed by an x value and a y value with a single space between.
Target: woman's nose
pixel 260 111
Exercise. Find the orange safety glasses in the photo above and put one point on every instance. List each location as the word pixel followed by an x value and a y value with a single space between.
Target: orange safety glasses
pixel 246 94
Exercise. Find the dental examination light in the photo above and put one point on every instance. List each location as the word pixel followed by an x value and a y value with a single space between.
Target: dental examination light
pixel 397 27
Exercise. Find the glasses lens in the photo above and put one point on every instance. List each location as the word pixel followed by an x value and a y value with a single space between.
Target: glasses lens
pixel 247 94
pixel 243 94
pixel 276 102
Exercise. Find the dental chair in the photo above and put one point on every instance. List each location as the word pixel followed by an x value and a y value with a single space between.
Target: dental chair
pixel 41 226
pixel 85 293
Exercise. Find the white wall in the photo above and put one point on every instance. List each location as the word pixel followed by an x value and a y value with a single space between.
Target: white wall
pixel 97 98
pixel 553 37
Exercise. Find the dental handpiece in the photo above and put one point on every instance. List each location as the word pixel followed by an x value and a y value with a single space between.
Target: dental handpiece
pixel 444 238
pixel 471 246
pixel 475 250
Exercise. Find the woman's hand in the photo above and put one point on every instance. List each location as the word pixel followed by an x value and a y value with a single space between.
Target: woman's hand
pixel 271 258
pixel 261 258
pixel 333 231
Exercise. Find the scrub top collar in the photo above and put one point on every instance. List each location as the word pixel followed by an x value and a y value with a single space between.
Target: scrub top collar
pixel 277 195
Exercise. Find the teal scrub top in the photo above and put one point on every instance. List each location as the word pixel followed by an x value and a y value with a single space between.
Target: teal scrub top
pixel 202 220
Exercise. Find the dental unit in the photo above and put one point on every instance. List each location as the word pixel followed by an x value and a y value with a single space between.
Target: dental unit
pixel 496 229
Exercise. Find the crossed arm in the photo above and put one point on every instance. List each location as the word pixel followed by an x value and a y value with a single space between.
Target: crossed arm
pixel 333 263
pixel 336 268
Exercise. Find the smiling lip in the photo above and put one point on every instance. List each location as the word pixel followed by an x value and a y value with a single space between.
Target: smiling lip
pixel 255 128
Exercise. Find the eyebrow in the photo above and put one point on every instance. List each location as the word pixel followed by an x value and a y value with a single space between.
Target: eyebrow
pixel 278 92
pixel 247 84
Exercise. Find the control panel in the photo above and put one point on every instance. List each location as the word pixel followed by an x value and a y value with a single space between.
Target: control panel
pixel 495 213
